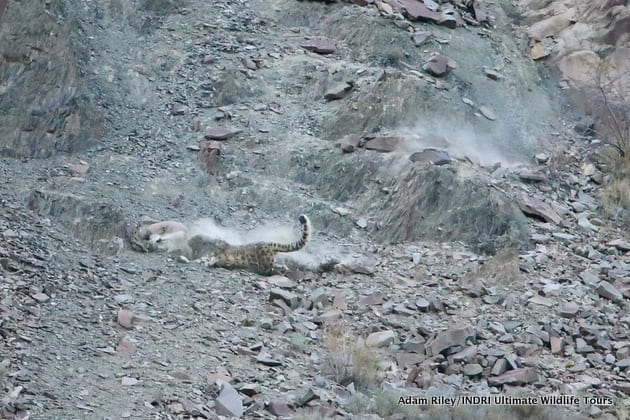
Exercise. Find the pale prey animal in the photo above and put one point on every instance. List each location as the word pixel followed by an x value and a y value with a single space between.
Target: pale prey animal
pixel 259 257
pixel 166 236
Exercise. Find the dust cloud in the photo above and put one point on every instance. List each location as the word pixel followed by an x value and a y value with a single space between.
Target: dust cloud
pixel 313 255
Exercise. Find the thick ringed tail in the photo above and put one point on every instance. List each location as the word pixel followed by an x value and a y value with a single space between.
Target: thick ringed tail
pixel 300 243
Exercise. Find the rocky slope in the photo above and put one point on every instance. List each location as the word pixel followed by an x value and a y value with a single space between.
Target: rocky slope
pixel 433 155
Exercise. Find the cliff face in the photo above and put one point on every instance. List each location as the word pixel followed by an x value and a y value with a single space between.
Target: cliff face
pixel 44 97
pixel 588 43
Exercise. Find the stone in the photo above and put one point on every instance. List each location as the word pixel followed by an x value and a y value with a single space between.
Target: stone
pixel 328 316
pixel 543 301
pixel 209 152
pixel 620 244
pixel 179 109
pixel 589 278
pixel 608 291
pixel 432 156
pixel 450 338
pixel 492 74
pixel 488 113
pixel 447 19
pixel 542 157
pixel 380 339
pixel 384 8
pixel 222 133
pixel 538 332
pixel 40 297
pixel 556 344
pixel 267 360
pixel 568 310
pixel 291 299
pixel 500 366
pixel 384 143
pixel 535 206
pixel 538 238
pixel 473 369
pixel 248 62
pixel 538 51
pixel 338 91
pixel 466 355
pixel 128 381
pixel 422 304
pixel 349 143
pixel 229 402
pixel 320 45
pixel 529 175
pixel 125 318
pixel 439 65
pixel 584 223
pixel 279 409
pixel 421 38
pixel 521 376
pixel 416 10
pixel 309 395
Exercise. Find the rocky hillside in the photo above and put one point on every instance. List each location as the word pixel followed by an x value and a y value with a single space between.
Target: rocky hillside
pixel 477 213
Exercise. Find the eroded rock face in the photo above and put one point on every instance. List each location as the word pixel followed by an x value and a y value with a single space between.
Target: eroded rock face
pixel 45 106
pixel 583 38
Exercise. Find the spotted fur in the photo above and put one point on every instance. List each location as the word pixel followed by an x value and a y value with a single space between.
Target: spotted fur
pixel 258 257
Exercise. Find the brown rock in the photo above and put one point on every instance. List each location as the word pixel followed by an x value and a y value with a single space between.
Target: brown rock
pixel 320 45
pixel 556 344
pixel 538 51
pixel 433 156
pixel 209 151
pixel 125 317
pixel 519 376
pixel 222 133
pixel 384 144
pixel 349 143
pixel 534 206
pixel 339 301
pixel 439 65
pixel 416 10
pixel 449 338
pixel 338 91
pixel 125 346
